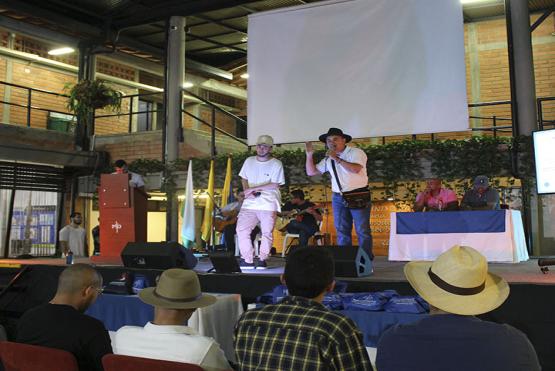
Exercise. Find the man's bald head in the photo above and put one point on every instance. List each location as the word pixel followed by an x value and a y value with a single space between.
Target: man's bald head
pixel 78 277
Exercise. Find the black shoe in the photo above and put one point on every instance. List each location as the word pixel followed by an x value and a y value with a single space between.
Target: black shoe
pixel 262 264
pixel 244 265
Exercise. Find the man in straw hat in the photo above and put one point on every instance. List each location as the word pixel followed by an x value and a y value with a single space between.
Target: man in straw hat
pixel 457 286
pixel 347 168
pixel 176 296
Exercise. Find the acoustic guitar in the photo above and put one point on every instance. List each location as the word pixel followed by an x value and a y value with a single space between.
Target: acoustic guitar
pixel 221 222
pixel 295 214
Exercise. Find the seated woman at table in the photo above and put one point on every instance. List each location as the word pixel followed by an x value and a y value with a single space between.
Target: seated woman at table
pixel 481 196
pixel 176 296
pixel 436 198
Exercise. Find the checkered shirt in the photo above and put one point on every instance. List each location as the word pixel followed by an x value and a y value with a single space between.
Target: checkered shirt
pixel 298 334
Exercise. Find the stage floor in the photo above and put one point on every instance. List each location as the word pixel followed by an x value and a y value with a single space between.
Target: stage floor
pixel 384 270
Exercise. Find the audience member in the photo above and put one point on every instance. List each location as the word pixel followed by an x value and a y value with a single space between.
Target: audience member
pixel 299 333
pixel 457 286
pixel 306 216
pixel 61 323
pixel 176 296
pixel 436 198
pixel 481 196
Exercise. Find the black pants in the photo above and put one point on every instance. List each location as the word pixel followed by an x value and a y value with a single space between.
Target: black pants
pixel 305 231
pixel 229 236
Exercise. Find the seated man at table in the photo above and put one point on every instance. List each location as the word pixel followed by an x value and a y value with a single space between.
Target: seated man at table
pixel 61 323
pixel 436 198
pixel 481 196
pixel 299 333
pixel 458 287
pixel 176 296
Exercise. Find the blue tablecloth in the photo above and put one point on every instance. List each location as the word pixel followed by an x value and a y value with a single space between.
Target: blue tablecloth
pixel 451 222
pixel 373 324
pixel 116 311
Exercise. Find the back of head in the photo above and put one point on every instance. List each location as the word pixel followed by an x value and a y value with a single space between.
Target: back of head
pixel 308 272
pixel 77 277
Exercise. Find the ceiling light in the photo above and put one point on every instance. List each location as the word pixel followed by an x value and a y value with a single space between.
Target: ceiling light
pixel 61 51
pixel 245 76
pixel 188 84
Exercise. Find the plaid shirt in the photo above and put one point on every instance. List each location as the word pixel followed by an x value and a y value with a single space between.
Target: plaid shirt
pixel 298 334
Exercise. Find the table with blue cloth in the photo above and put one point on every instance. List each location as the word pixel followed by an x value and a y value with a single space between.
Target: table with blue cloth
pixel 497 234
pixel 216 321
pixel 373 324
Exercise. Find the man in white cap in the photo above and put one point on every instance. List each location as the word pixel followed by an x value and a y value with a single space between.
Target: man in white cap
pixel 261 176
pixel 176 296
pixel 457 286
pixel 481 196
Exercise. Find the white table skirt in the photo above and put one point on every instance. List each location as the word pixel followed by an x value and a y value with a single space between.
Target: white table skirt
pixel 507 247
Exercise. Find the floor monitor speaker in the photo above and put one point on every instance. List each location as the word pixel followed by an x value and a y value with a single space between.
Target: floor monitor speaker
pixel 157 255
pixel 350 261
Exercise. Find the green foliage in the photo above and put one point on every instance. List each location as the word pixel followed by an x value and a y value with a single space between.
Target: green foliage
pixel 87 95
pixel 399 165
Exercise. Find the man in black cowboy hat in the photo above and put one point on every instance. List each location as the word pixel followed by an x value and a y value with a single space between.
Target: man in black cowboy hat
pixel 176 296
pixel 347 168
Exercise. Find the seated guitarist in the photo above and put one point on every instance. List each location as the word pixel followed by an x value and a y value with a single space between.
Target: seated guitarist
pixel 305 223
pixel 228 221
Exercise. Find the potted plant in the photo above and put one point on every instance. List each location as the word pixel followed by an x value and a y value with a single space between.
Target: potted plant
pixel 87 95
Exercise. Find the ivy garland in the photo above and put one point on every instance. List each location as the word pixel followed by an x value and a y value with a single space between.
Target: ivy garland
pixel 398 165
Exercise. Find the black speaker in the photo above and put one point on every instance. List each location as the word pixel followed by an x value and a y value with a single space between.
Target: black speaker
pixel 157 255
pixel 350 261
pixel 224 262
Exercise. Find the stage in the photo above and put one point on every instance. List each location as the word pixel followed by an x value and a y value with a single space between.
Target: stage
pixel 529 307
pixel 384 270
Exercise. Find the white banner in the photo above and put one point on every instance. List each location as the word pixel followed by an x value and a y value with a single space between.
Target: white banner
pixel 369 67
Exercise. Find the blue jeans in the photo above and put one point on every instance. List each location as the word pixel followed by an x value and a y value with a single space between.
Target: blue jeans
pixel 343 220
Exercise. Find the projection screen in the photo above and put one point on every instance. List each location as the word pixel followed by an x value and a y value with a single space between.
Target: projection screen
pixel 370 67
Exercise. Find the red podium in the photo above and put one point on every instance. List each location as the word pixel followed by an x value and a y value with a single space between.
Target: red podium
pixel 123 213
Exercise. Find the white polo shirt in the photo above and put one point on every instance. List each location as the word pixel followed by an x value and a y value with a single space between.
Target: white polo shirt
pixel 259 173
pixel 349 181
pixel 170 343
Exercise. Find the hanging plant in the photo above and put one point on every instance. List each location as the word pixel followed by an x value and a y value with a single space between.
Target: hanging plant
pixel 87 96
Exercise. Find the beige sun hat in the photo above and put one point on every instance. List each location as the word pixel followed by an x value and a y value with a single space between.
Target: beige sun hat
pixel 177 289
pixel 458 282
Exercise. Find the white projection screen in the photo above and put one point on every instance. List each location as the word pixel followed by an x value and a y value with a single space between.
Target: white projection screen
pixel 369 67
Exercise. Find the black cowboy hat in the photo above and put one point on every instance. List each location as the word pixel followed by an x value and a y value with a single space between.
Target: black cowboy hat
pixel 334 131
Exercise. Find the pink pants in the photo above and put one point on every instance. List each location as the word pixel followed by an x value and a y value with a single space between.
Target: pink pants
pixel 246 221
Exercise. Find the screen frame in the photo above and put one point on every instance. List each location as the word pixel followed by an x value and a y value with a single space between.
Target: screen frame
pixel 534 133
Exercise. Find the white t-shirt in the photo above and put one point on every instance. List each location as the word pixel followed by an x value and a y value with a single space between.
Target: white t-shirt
pixel 260 173
pixel 75 238
pixel 170 343
pixel 349 181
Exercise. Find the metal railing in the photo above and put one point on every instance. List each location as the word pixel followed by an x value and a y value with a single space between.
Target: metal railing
pixel 29 104
pixel 499 124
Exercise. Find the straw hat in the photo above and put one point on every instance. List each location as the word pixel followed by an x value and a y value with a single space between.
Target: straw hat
pixel 177 289
pixel 458 282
